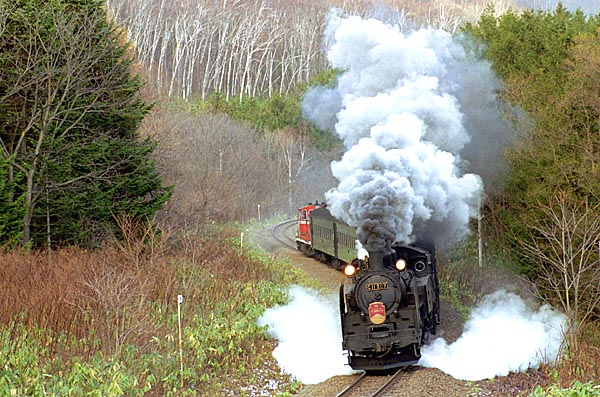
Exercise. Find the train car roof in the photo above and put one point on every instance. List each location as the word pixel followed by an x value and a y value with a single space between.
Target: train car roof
pixel 322 212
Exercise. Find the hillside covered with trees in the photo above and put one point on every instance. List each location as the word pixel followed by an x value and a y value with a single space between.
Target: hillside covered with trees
pixel 139 138
pixel 548 215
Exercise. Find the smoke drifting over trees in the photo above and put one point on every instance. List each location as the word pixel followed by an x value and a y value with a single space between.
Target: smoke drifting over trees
pixel 402 107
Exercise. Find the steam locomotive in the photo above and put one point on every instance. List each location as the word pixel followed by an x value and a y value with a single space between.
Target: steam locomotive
pixel 390 307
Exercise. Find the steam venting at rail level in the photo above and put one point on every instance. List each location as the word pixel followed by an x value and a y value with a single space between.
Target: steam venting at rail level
pixel 503 334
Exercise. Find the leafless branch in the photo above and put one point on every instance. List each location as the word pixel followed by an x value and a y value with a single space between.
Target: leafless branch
pixel 565 243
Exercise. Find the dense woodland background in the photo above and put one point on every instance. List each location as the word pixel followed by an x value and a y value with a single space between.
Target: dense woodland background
pixel 135 135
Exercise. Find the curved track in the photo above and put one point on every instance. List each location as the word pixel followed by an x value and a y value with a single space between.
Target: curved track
pixel 281 233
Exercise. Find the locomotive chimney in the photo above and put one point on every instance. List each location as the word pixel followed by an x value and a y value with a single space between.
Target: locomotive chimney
pixel 376 260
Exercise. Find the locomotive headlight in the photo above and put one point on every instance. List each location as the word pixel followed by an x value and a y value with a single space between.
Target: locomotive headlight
pixel 400 264
pixel 349 270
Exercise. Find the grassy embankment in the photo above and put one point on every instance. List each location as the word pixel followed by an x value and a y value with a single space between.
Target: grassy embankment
pixel 105 323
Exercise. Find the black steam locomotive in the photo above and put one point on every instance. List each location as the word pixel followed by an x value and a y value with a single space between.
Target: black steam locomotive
pixel 390 307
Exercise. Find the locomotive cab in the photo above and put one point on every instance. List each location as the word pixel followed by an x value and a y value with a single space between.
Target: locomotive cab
pixel 303 233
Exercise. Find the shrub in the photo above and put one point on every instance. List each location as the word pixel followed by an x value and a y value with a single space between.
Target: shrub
pixel 577 389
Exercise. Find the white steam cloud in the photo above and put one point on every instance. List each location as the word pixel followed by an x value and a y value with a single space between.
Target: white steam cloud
pixel 502 335
pixel 309 334
pixel 415 112
pixel 397 107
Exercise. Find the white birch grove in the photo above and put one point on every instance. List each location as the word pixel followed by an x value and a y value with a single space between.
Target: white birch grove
pixel 234 47
pixel 192 48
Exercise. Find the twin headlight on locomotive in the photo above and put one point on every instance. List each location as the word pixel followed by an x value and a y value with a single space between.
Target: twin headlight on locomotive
pixel 351 268
pixel 389 307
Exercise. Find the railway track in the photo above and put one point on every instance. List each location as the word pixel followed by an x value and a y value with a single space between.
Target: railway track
pixel 281 233
pixel 370 386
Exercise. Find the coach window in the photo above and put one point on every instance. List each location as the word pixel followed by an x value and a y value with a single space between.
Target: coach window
pixel 303 214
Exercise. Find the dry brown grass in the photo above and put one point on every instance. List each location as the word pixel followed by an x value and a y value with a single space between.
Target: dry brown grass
pixel 582 359
pixel 112 293
pixel 78 293
pixel 37 288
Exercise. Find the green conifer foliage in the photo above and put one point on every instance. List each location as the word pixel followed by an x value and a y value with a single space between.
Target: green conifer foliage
pixel 549 64
pixel 70 111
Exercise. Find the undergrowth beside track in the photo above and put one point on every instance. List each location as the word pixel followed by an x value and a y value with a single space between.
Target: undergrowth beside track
pixel 105 323
pixel 463 282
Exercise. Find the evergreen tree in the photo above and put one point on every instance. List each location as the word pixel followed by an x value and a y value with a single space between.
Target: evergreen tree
pixel 71 110
pixel 542 58
pixel 11 208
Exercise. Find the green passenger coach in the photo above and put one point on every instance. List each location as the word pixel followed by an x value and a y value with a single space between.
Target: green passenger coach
pixel 324 237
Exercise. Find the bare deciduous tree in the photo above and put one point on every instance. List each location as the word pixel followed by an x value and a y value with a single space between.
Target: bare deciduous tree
pixel 259 47
pixel 236 48
pixel 218 168
pixel 294 158
pixel 565 243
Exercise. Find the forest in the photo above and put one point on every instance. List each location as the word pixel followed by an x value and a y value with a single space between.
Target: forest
pixel 139 138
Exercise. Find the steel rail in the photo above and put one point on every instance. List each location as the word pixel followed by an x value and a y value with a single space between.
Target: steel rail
pixel 352 386
pixel 387 384
pixel 364 377
pixel 285 240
